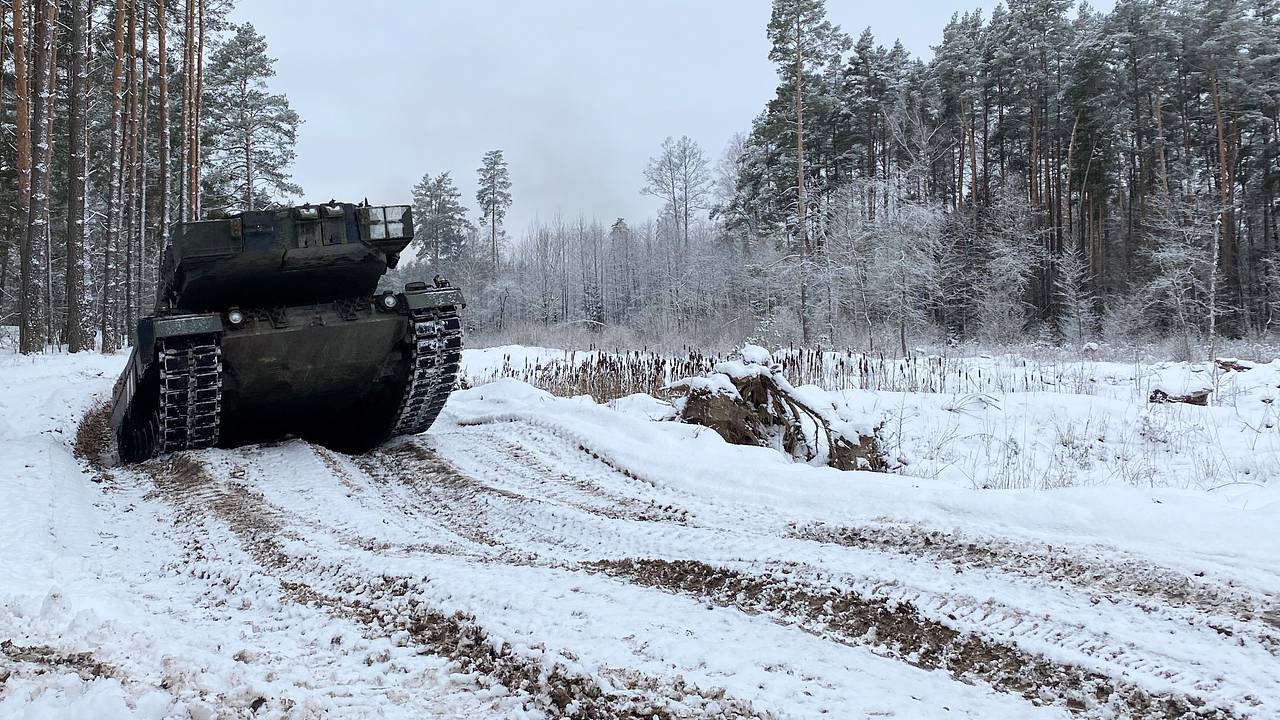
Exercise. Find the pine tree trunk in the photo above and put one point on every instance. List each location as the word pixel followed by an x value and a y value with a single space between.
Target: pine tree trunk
pixel 23 139
pixel 801 201
pixel 129 172
pixel 32 330
pixel 107 326
pixel 197 102
pixel 144 255
pixel 162 160
pixel 188 110
pixel 79 328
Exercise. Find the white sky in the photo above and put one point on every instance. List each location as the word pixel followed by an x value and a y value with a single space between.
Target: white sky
pixel 578 93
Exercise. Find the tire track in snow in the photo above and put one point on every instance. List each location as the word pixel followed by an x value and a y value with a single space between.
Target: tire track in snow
pixel 1104 655
pixel 1255 615
pixel 898 629
pixel 1222 606
pixel 536 467
pixel 392 605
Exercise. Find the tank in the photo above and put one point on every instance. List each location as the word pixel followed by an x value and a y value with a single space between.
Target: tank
pixel 271 324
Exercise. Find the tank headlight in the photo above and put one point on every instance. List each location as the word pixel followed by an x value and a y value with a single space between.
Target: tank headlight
pixel 235 317
pixel 389 301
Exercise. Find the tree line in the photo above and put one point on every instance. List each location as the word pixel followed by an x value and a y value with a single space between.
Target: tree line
pixel 1051 172
pixel 118 118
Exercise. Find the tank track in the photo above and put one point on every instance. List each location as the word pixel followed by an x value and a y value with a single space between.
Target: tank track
pixel 190 393
pixel 437 353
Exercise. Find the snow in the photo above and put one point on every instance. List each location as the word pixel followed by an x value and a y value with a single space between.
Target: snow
pixel 286 580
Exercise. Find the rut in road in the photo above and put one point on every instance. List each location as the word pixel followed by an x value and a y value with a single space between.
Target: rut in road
pixel 1125 576
pixel 900 630
pixel 386 604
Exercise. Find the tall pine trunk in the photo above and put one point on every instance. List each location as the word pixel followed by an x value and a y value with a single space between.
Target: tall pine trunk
pixel 162 159
pixel 22 107
pixel 32 329
pixel 79 328
pixel 107 326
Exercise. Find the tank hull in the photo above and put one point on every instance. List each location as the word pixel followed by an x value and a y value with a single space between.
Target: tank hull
pixel 346 374
pixel 333 380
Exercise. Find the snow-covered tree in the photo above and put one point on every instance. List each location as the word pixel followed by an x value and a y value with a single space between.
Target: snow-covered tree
pixel 679 175
pixel 249 132
pixel 1075 301
pixel 494 198
pixel 440 219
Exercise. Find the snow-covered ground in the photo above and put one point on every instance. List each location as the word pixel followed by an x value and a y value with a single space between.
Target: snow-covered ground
pixel 534 556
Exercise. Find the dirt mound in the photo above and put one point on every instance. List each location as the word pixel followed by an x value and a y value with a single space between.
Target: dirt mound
pixel 93 439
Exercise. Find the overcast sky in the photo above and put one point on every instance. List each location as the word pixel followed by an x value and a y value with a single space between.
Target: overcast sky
pixel 578 93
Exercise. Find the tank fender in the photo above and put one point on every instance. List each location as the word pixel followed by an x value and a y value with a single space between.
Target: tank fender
pixel 178 325
pixel 433 298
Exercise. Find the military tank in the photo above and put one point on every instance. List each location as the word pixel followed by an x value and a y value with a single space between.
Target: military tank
pixel 269 324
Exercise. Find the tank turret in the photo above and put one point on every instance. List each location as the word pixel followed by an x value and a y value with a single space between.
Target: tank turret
pixel 292 256
pixel 270 323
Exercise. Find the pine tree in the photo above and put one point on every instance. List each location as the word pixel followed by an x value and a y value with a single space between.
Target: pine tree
pixel 35 302
pixel 1076 316
pixel 494 198
pixel 440 219
pixel 22 100
pixel 251 132
pixel 108 326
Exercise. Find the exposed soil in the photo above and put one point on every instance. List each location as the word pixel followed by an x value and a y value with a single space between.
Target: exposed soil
pixel 83 664
pixel 93 440
pixel 1119 576
pixel 899 630
pixel 388 605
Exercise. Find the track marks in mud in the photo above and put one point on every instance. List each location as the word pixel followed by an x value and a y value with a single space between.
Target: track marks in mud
pixel 532 458
pixel 899 630
pixel 437 492
pixel 390 606
pixel 1119 576
pixel 83 664
pixel 545 679
pixel 187 483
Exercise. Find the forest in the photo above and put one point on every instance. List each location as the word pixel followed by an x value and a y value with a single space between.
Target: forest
pixel 1051 174
pixel 119 118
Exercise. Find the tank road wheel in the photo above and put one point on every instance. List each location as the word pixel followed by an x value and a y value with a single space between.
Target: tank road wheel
pixel 435 357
